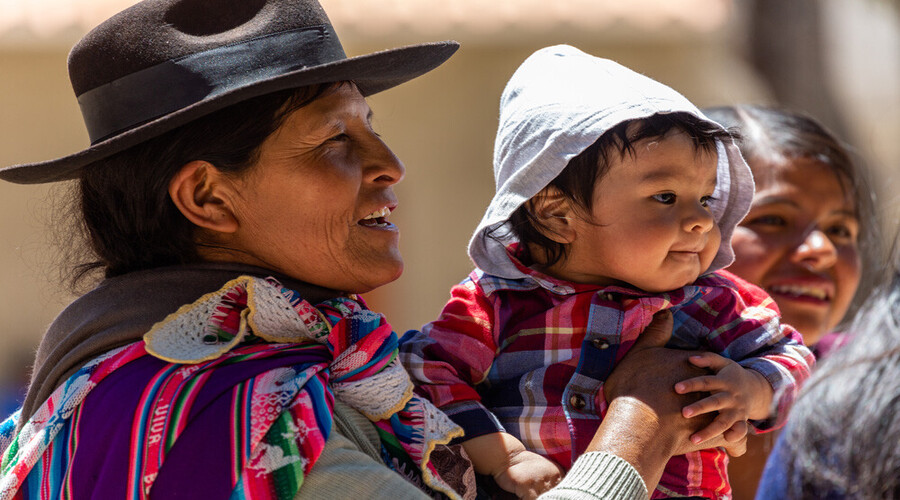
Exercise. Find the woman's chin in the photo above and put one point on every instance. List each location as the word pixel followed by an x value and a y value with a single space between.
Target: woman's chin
pixel 376 276
pixel 812 327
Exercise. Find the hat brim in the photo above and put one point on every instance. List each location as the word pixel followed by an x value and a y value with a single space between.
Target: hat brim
pixel 372 73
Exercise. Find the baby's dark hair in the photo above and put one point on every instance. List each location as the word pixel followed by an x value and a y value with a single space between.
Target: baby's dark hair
pixel 577 180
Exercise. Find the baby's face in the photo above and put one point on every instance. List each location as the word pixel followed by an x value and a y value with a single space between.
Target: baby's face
pixel 651 223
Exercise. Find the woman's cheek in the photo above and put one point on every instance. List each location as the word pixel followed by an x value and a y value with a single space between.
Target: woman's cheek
pixel 750 255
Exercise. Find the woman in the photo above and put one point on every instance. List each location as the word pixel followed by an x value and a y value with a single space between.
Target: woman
pixel 235 198
pixel 858 386
pixel 801 240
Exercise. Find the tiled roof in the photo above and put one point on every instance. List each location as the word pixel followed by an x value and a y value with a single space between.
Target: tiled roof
pixel 63 21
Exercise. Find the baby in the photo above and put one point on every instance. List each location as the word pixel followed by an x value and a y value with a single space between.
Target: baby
pixel 616 198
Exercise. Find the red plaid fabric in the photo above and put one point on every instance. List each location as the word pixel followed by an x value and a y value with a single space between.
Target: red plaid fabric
pixel 529 356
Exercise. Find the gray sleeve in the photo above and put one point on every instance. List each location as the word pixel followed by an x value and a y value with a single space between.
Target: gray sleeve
pixel 344 471
pixel 599 476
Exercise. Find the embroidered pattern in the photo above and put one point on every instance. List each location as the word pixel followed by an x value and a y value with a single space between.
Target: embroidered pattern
pixel 280 416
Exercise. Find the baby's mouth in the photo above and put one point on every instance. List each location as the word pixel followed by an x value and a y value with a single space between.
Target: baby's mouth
pixel 377 218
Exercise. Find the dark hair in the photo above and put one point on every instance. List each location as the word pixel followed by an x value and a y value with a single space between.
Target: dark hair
pixel 841 439
pixel 127 217
pixel 770 132
pixel 577 180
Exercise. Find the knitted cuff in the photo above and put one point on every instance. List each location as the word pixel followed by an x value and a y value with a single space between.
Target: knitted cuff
pixel 597 475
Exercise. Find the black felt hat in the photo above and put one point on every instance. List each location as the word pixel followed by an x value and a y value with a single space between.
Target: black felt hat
pixel 163 63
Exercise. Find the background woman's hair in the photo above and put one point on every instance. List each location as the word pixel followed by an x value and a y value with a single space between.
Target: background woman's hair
pixel 122 205
pixel 843 432
pixel 771 134
pixel 577 180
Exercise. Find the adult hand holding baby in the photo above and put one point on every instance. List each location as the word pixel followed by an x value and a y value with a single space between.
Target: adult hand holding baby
pixel 644 423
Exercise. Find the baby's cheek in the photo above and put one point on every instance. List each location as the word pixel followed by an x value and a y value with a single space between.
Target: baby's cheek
pixel 713 242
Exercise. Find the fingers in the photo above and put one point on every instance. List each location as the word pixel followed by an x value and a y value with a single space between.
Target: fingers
pixel 714 402
pixel 737 432
pixel 657 333
pixel 718 426
pixel 710 360
pixel 706 383
pixel 736 438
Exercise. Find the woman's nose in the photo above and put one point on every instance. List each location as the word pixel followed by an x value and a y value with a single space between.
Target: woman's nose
pixel 382 165
pixel 816 251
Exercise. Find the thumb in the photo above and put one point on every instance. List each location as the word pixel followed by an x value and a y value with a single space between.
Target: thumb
pixel 657 333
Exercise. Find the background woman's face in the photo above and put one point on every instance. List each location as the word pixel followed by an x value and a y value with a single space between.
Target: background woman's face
pixel 799 243
pixel 315 205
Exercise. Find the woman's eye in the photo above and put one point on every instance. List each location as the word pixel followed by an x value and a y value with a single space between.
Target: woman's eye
pixel 340 138
pixel 665 198
pixel 841 231
pixel 766 220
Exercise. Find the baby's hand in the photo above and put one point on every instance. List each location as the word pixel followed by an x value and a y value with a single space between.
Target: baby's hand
pixel 528 475
pixel 738 394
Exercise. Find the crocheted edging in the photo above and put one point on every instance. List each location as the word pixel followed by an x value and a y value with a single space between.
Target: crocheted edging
pixel 200 331
pixel 439 430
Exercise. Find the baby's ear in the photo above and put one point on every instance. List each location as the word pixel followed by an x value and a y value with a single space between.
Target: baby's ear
pixel 553 210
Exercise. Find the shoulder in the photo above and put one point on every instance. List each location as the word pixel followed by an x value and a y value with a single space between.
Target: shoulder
pixel 725 282
pixel 489 284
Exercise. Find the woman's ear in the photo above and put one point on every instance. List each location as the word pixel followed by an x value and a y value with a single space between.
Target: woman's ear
pixel 554 212
pixel 203 194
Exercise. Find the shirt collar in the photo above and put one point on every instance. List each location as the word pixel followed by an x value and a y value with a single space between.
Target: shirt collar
pixel 560 286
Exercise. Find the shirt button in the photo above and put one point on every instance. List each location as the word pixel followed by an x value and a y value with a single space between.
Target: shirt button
pixel 608 296
pixel 577 401
pixel 600 343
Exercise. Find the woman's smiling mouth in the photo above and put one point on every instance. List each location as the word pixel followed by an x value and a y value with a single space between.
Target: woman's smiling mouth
pixel 377 218
pixel 816 293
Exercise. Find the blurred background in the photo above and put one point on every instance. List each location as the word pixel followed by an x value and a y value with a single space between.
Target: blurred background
pixel 838 60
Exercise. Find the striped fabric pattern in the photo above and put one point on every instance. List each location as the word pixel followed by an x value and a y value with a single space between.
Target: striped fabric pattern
pixel 248 424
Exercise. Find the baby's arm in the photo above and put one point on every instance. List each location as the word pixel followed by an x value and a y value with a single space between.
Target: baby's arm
pixel 515 469
pixel 737 393
pixel 768 359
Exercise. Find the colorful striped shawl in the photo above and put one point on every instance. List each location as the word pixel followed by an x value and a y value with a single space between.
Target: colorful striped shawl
pixel 235 401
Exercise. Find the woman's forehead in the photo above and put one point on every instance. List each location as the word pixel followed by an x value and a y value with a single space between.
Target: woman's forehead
pixel 802 175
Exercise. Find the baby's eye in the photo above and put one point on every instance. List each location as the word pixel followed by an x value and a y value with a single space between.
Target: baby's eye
pixel 664 198
pixel 706 200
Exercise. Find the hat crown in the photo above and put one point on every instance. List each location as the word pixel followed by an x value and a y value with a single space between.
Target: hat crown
pixel 155 31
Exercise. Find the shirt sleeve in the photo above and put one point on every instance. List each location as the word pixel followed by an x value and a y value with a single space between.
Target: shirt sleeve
pixel 452 355
pixel 745 326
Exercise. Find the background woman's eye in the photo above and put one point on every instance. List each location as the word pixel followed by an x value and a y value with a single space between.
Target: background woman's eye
pixel 841 231
pixel 665 198
pixel 766 220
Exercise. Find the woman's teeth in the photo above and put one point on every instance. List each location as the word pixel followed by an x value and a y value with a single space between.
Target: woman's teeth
pixel 377 218
pixel 800 291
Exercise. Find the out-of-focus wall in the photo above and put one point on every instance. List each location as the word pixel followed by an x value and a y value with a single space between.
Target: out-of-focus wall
pixel 39 119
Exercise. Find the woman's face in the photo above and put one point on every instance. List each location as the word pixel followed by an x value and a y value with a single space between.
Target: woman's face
pixel 799 243
pixel 315 205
